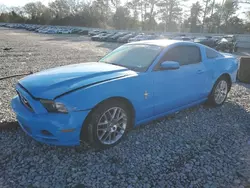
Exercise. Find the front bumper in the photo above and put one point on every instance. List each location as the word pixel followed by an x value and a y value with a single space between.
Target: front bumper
pixel 50 128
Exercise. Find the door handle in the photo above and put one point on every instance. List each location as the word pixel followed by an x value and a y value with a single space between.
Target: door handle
pixel 200 71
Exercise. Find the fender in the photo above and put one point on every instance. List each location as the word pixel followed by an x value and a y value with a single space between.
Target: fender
pixel 131 87
pixel 89 85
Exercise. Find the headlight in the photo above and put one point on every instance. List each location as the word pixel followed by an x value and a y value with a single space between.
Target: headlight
pixel 52 106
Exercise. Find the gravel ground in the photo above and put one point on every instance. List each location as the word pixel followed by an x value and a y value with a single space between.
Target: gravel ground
pixel 198 147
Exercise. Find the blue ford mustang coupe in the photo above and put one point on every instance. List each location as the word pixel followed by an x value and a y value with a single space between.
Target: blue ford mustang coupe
pixel 100 101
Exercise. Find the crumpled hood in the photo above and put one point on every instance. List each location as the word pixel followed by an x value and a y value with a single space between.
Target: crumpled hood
pixel 53 82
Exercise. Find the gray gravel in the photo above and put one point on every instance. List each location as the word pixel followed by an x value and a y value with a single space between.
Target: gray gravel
pixel 198 147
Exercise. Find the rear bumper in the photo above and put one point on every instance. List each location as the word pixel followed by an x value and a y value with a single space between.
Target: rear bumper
pixel 63 129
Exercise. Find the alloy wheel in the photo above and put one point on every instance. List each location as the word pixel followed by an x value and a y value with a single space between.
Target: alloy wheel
pixel 220 93
pixel 112 125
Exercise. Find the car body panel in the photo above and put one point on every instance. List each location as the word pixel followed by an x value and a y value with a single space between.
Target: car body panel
pixel 152 94
pixel 34 122
pixel 56 81
pixel 88 98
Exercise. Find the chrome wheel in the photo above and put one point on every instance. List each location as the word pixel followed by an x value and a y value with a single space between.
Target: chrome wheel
pixel 220 93
pixel 112 125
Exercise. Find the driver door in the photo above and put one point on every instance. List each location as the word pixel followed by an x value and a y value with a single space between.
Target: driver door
pixel 176 88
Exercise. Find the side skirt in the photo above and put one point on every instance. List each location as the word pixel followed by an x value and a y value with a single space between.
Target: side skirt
pixel 169 112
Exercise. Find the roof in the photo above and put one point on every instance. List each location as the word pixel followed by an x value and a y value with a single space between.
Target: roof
pixel 160 42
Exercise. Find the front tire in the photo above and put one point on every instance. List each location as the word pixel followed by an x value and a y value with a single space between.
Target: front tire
pixel 219 92
pixel 108 124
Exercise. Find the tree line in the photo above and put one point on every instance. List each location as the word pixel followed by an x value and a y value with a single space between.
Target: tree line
pixel 210 16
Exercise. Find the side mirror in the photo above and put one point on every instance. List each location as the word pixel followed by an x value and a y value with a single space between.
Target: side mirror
pixel 170 65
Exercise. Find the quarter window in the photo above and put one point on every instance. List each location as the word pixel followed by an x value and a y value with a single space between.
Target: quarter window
pixel 211 54
pixel 184 55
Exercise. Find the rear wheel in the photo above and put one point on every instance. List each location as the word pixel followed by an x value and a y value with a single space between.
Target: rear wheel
pixel 108 124
pixel 219 92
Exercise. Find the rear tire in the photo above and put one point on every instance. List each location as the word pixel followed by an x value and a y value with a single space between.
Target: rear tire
pixel 219 92
pixel 108 124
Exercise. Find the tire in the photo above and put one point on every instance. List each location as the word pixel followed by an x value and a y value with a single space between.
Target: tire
pixel 214 99
pixel 101 125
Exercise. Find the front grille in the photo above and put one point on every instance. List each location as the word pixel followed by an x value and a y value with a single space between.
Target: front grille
pixel 24 101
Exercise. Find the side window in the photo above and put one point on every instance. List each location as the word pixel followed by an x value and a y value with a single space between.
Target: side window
pixel 184 55
pixel 211 54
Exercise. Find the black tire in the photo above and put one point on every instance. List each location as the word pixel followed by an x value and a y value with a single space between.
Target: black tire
pixel 211 99
pixel 95 116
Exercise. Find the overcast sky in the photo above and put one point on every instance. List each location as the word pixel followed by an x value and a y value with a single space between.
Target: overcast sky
pixel 21 2
pixel 243 8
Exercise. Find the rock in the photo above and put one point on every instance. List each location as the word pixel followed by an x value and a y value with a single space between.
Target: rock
pixel 120 171
pixel 148 156
pixel 69 180
pixel 237 181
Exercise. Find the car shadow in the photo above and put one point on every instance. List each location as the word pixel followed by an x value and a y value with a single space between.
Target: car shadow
pixel 219 111
pixel 9 125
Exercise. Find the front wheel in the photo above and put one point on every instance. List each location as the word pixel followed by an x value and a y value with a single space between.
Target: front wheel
pixel 108 124
pixel 219 92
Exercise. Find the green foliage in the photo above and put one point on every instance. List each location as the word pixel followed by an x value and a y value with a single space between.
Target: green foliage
pixel 194 20
pixel 121 18
pixel 170 12
pixel 151 15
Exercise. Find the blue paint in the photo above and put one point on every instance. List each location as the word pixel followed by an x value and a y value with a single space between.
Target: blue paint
pixel 81 87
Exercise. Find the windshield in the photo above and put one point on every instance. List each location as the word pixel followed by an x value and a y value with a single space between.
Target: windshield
pixel 136 57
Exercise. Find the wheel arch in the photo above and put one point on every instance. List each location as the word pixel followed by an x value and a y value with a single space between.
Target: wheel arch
pixel 227 77
pixel 84 129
